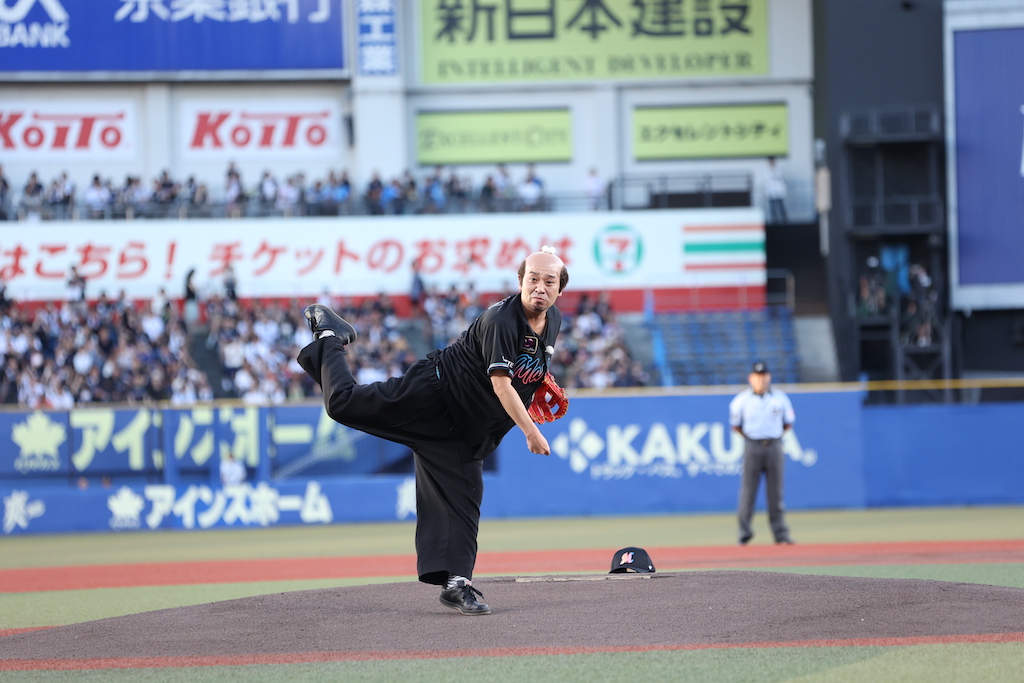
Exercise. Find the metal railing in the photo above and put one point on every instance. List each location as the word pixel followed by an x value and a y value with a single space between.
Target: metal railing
pixel 252 208
pixel 892 123
pixel 779 289
pixel 915 211
pixel 681 191
pixel 623 193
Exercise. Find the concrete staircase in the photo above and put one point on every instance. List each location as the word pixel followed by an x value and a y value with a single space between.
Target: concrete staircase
pixel 206 358
pixel 817 345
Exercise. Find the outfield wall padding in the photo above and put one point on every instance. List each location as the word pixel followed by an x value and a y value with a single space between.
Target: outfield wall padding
pixel 143 468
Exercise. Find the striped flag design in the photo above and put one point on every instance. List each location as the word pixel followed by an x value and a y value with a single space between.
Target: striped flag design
pixel 724 254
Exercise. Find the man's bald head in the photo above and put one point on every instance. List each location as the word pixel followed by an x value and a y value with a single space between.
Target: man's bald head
pixel 545 260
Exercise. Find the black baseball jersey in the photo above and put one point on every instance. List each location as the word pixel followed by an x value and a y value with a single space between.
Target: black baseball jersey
pixel 500 339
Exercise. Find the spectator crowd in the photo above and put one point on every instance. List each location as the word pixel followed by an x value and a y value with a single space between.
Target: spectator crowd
pixel 78 352
pixel 65 354
pixel 440 191
pixel 903 291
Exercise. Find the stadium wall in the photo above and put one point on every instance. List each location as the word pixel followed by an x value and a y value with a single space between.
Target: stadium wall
pixel 138 468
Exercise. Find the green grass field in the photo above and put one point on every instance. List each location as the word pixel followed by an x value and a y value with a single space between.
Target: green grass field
pixel 956 662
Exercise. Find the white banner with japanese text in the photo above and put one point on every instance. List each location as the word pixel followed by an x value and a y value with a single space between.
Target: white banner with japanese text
pixel 366 256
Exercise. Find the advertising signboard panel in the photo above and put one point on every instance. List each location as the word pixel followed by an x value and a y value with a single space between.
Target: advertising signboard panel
pixel 519 41
pixel 119 130
pixel 68 131
pixel 225 129
pixel 364 256
pixel 611 455
pixel 710 132
pixel 376 38
pixel 170 36
pixel 985 138
pixel 646 454
pixel 494 137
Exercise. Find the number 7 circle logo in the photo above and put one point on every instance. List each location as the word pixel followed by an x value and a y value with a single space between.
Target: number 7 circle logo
pixel 618 249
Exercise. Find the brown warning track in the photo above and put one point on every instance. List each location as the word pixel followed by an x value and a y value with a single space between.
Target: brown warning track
pixel 558 614
pixel 320 657
pixel 553 561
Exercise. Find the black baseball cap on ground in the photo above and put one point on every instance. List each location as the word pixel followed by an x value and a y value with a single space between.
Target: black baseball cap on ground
pixel 631 560
pixel 759 367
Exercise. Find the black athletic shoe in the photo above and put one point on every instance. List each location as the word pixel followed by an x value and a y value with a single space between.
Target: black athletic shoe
pixel 463 598
pixel 321 319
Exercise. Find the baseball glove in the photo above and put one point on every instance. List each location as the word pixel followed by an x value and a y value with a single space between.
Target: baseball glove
pixel 549 401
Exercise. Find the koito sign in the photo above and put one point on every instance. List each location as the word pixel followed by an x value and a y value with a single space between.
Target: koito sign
pixel 308 127
pixel 29 130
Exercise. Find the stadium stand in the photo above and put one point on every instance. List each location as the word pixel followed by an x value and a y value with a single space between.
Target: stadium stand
pixel 63 354
pixel 717 347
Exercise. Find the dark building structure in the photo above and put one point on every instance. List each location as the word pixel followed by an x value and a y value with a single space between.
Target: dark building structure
pixel 880 112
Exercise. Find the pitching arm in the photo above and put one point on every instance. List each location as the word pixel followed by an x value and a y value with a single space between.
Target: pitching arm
pixel 513 405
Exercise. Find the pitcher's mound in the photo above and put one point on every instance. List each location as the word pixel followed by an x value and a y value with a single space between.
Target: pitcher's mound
pixel 570 613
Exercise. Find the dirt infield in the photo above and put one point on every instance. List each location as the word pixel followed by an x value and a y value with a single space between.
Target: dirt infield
pixel 83 577
pixel 534 615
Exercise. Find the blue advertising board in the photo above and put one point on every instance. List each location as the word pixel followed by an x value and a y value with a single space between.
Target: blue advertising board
pixel 624 455
pixel 170 35
pixel 195 506
pixel 664 454
pixel 376 41
pixel 943 455
pixel 309 444
pixel 67 445
pixel 986 169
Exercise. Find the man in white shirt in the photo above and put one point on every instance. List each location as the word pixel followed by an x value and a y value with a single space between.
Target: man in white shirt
pixel 288 196
pixel 530 192
pixel 595 188
pixel 153 324
pixel 761 415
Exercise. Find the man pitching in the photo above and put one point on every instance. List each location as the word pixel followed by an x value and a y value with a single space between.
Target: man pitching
pixel 452 409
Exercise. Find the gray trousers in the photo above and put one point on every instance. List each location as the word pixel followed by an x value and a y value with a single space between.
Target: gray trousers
pixel 763 457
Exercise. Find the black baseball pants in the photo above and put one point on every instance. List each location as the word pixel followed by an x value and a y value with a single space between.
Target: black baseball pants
pixel 411 410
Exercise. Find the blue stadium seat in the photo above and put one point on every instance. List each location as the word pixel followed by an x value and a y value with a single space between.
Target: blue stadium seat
pixel 716 347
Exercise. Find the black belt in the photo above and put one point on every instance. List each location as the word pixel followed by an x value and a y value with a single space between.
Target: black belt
pixel 763 442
